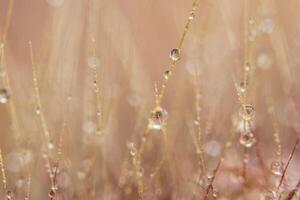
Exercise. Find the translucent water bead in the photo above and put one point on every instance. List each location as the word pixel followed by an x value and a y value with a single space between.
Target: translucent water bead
pixel 52 193
pixel 38 110
pixel 167 74
pixel 242 87
pixel 4 96
pixel 247 67
pixel 175 54
pixel 246 112
pixel 132 149
pixel 9 195
pixel 247 139
pixel 158 118
pixel 192 16
pixel 277 168
pixel 99 132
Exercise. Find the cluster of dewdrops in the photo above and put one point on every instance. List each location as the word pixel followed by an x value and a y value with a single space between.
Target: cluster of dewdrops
pixel 247 138
pixel 264 62
pixel 158 117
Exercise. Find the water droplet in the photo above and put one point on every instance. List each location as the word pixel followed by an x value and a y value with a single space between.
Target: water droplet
pixel 133 151
pixel 247 112
pixel 158 118
pixel 243 87
pixel 247 139
pixel 38 110
pixel 175 54
pixel 277 168
pixel 210 176
pixel 196 122
pixel 4 97
pixel 55 169
pixel 266 26
pixel 192 16
pixel 264 61
pixel 141 172
pixel 246 158
pixel 99 132
pixel 52 193
pixel 247 66
pixel 95 83
pixel 9 195
pixel 132 148
pixel 167 74
pixel 50 145
pixel 215 193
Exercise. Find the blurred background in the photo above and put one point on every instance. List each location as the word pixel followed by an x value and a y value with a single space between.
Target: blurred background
pixel 132 44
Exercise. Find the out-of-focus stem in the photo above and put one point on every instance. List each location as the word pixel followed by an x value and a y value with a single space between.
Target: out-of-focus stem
pixel 287 165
